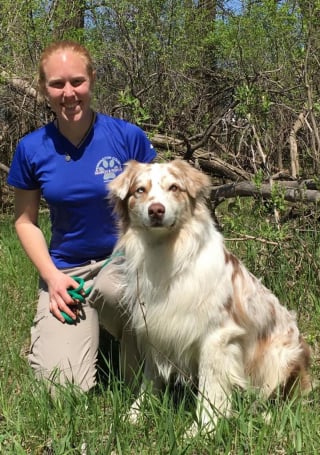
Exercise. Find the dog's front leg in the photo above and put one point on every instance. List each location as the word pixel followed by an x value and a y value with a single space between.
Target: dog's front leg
pixel 220 368
pixel 151 381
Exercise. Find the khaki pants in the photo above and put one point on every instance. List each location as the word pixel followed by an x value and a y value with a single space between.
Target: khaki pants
pixel 62 352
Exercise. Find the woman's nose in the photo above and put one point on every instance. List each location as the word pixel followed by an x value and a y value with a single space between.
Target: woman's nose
pixel 68 89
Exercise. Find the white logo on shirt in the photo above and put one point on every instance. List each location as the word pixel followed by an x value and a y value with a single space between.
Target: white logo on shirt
pixel 109 166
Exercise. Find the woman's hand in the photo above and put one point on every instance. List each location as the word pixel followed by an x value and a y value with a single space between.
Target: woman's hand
pixel 60 300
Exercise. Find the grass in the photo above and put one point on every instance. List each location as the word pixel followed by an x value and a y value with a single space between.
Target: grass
pixel 31 422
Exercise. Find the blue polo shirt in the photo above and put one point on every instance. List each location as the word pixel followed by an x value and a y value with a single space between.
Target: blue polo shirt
pixel 74 182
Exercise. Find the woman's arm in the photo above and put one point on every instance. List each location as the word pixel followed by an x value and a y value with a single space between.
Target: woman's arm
pixel 32 239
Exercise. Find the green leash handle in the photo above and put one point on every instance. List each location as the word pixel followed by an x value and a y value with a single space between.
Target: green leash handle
pixel 67 318
pixel 78 294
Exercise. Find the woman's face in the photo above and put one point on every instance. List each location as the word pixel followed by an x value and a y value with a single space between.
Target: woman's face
pixel 68 85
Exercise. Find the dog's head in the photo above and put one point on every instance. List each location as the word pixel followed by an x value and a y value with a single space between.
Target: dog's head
pixel 158 196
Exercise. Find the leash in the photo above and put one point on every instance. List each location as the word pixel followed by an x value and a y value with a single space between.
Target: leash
pixel 81 293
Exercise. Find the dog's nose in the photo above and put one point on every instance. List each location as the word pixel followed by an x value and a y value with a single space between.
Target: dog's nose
pixel 156 211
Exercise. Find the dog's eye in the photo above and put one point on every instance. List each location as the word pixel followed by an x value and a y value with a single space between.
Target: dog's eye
pixel 173 188
pixel 140 190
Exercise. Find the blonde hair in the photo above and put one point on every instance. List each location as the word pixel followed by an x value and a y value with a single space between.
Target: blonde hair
pixel 61 46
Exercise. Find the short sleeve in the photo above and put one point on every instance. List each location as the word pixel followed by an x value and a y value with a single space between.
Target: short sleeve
pixel 139 146
pixel 21 173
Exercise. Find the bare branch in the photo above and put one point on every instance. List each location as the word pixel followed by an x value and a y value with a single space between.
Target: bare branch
pixel 248 189
pixel 4 168
pixel 21 85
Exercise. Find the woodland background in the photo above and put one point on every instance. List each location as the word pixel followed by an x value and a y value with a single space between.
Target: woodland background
pixel 233 86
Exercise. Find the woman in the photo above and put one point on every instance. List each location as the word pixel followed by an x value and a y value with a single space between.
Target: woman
pixel 70 162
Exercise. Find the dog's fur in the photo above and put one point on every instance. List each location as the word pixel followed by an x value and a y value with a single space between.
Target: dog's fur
pixel 196 309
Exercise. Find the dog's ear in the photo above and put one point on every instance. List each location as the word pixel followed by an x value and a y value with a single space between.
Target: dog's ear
pixel 197 183
pixel 119 187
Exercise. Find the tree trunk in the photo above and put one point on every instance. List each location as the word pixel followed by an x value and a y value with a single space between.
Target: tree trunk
pixel 67 14
pixel 210 6
pixel 294 155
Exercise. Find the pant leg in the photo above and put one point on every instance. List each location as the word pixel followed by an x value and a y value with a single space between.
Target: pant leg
pixel 106 297
pixel 64 353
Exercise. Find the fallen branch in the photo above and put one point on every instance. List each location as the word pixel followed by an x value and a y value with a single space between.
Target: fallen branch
pixel 21 85
pixel 206 160
pixel 291 191
pixel 4 168
pixel 220 168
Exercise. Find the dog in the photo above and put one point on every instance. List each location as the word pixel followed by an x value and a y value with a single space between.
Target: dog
pixel 197 311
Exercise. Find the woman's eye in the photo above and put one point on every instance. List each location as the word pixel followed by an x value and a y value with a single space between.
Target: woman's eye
pixel 77 82
pixel 56 84
pixel 173 188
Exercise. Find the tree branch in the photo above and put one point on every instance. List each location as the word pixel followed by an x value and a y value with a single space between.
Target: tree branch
pixel 20 85
pixel 291 192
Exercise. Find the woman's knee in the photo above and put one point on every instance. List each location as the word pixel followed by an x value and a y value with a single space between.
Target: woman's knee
pixel 106 298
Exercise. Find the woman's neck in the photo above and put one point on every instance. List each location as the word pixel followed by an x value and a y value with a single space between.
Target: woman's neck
pixel 76 132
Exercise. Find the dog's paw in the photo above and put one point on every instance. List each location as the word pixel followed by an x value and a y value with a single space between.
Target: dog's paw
pixel 134 414
pixel 192 431
pixel 195 429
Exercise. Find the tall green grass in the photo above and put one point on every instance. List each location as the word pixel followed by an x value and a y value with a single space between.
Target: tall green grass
pixel 31 422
